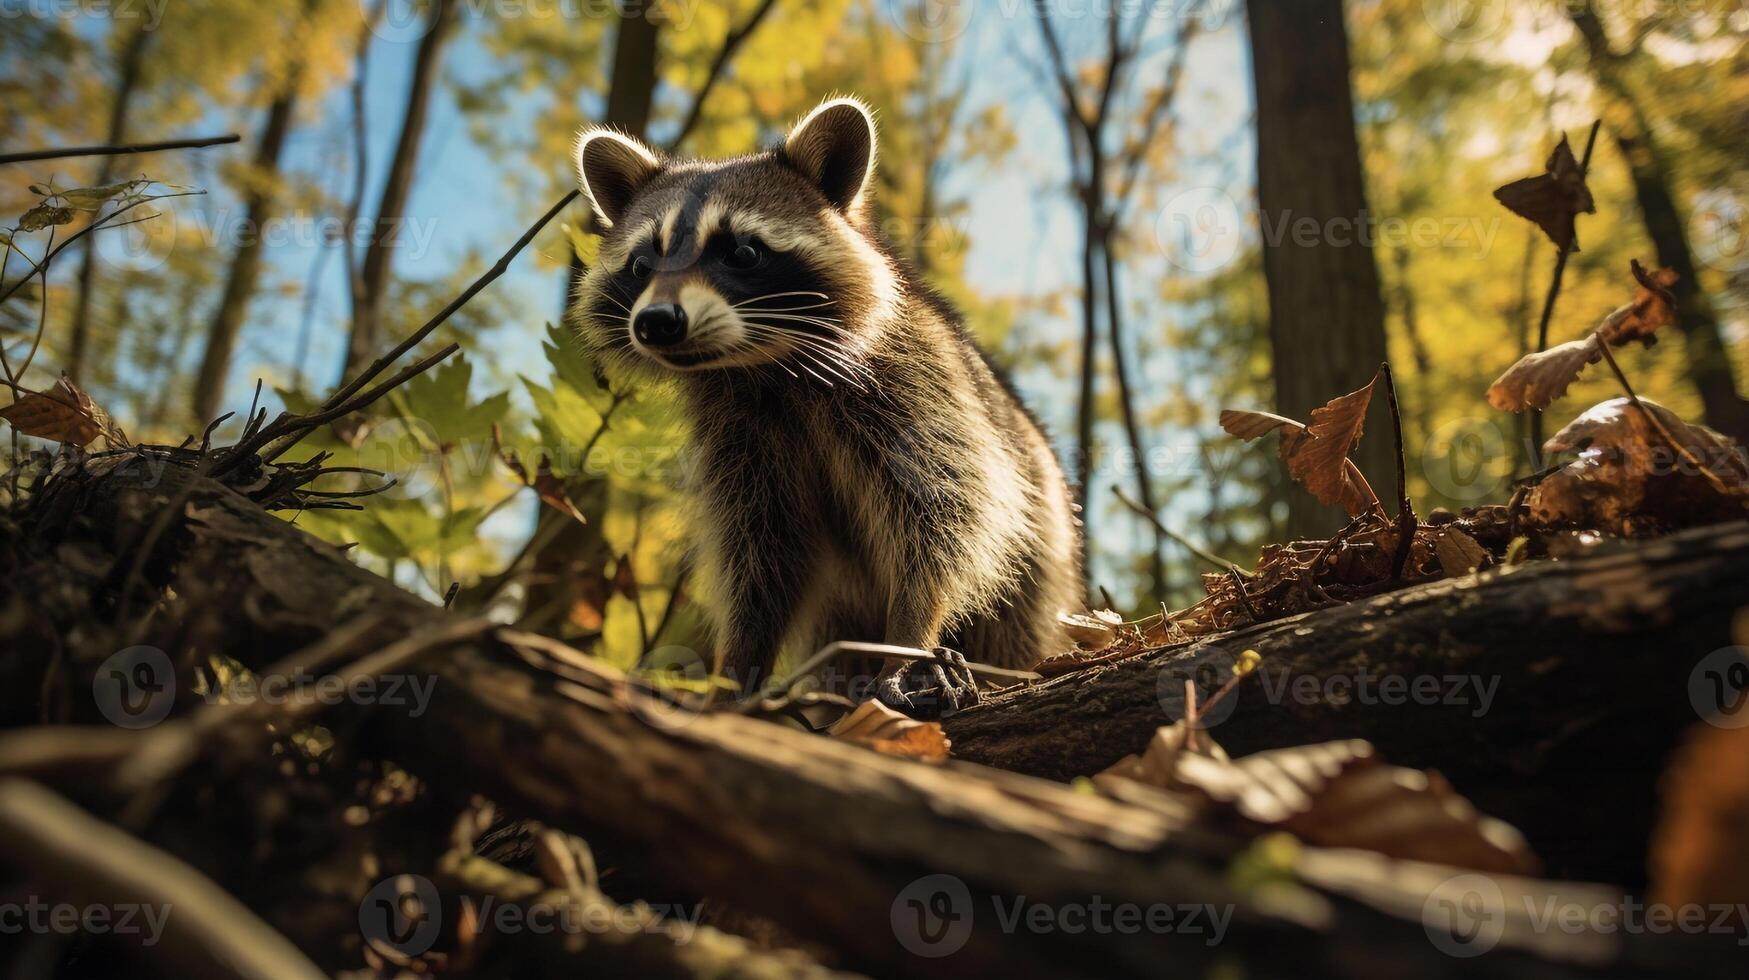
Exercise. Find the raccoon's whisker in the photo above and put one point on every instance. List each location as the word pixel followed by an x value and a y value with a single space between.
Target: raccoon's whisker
pixel 806 356
pixel 782 309
pixel 822 345
pixel 806 294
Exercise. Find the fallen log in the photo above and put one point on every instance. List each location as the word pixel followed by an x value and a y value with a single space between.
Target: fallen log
pixel 893 862
pixel 1551 694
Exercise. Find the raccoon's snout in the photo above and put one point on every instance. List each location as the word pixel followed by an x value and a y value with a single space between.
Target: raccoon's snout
pixel 660 325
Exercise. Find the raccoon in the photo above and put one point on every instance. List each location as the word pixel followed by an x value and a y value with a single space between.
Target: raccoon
pixel 863 471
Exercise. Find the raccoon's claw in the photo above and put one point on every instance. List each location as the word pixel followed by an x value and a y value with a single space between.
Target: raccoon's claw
pixel 929 690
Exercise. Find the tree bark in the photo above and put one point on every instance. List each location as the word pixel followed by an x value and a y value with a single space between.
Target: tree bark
pixel 1709 365
pixel 831 840
pixel 127 82
pixel 1590 661
pixel 240 282
pixel 1326 313
pixel 362 346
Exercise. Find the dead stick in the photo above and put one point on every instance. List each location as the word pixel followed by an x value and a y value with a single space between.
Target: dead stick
pixel 206 932
pixel 1406 520
pixel 1681 450
pixel 1199 551
pixel 1542 330
pixel 121 149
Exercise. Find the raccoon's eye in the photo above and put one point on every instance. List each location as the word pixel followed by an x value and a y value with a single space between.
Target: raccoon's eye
pixel 642 267
pixel 745 256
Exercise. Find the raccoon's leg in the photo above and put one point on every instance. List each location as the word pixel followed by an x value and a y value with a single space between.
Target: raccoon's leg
pixel 765 557
pixel 929 689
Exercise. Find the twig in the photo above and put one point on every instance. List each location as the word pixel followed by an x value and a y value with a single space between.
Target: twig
pixel 210 932
pixel 1664 433
pixel 1406 520
pixel 117 149
pixel 487 278
pixel 1244 597
pixel 731 42
pixel 1542 330
pixel 42 268
pixel 1219 563
pixel 838 648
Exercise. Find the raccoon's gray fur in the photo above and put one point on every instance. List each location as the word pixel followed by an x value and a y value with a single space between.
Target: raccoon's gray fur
pixel 864 473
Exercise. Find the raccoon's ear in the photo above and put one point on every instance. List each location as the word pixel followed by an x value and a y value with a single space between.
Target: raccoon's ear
pixel 612 166
pixel 834 147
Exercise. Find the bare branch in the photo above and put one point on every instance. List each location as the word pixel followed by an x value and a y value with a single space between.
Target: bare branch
pixel 118 149
pixel 731 43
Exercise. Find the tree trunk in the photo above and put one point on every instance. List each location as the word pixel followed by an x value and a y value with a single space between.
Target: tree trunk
pixel 133 56
pixel 1589 663
pixel 1709 365
pixel 838 844
pixel 362 346
pixel 1326 314
pixel 1157 585
pixel 227 322
pixel 573 547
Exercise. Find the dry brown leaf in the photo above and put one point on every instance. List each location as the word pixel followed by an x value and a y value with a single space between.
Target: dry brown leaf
pixel 1654 306
pixel 1339 794
pixel 881 728
pixel 1091 631
pixel 1157 763
pixel 1551 199
pixel 44 216
pixel 1350 490
pixel 547 484
pixel 1319 461
pixel 1459 554
pixel 64 413
pixel 1627 480
pixel 1543 376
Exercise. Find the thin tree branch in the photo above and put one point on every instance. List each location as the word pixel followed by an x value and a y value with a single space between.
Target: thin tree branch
pixel 1219 563
pixel 117 149
pixel 731 43
pixel 1542 330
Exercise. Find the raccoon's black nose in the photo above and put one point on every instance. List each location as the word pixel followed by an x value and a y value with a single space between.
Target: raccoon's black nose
pixel 660 324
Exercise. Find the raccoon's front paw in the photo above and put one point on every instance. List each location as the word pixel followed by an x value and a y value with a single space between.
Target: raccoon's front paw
pixel 929 690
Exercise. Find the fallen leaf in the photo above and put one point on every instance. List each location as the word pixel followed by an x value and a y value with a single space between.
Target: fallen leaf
pixel 1340 794
pixel 1628 481
pixel 1091 631
pixel 1551 199
pixel 1459 554
pixel 879 727
pixel 64 413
